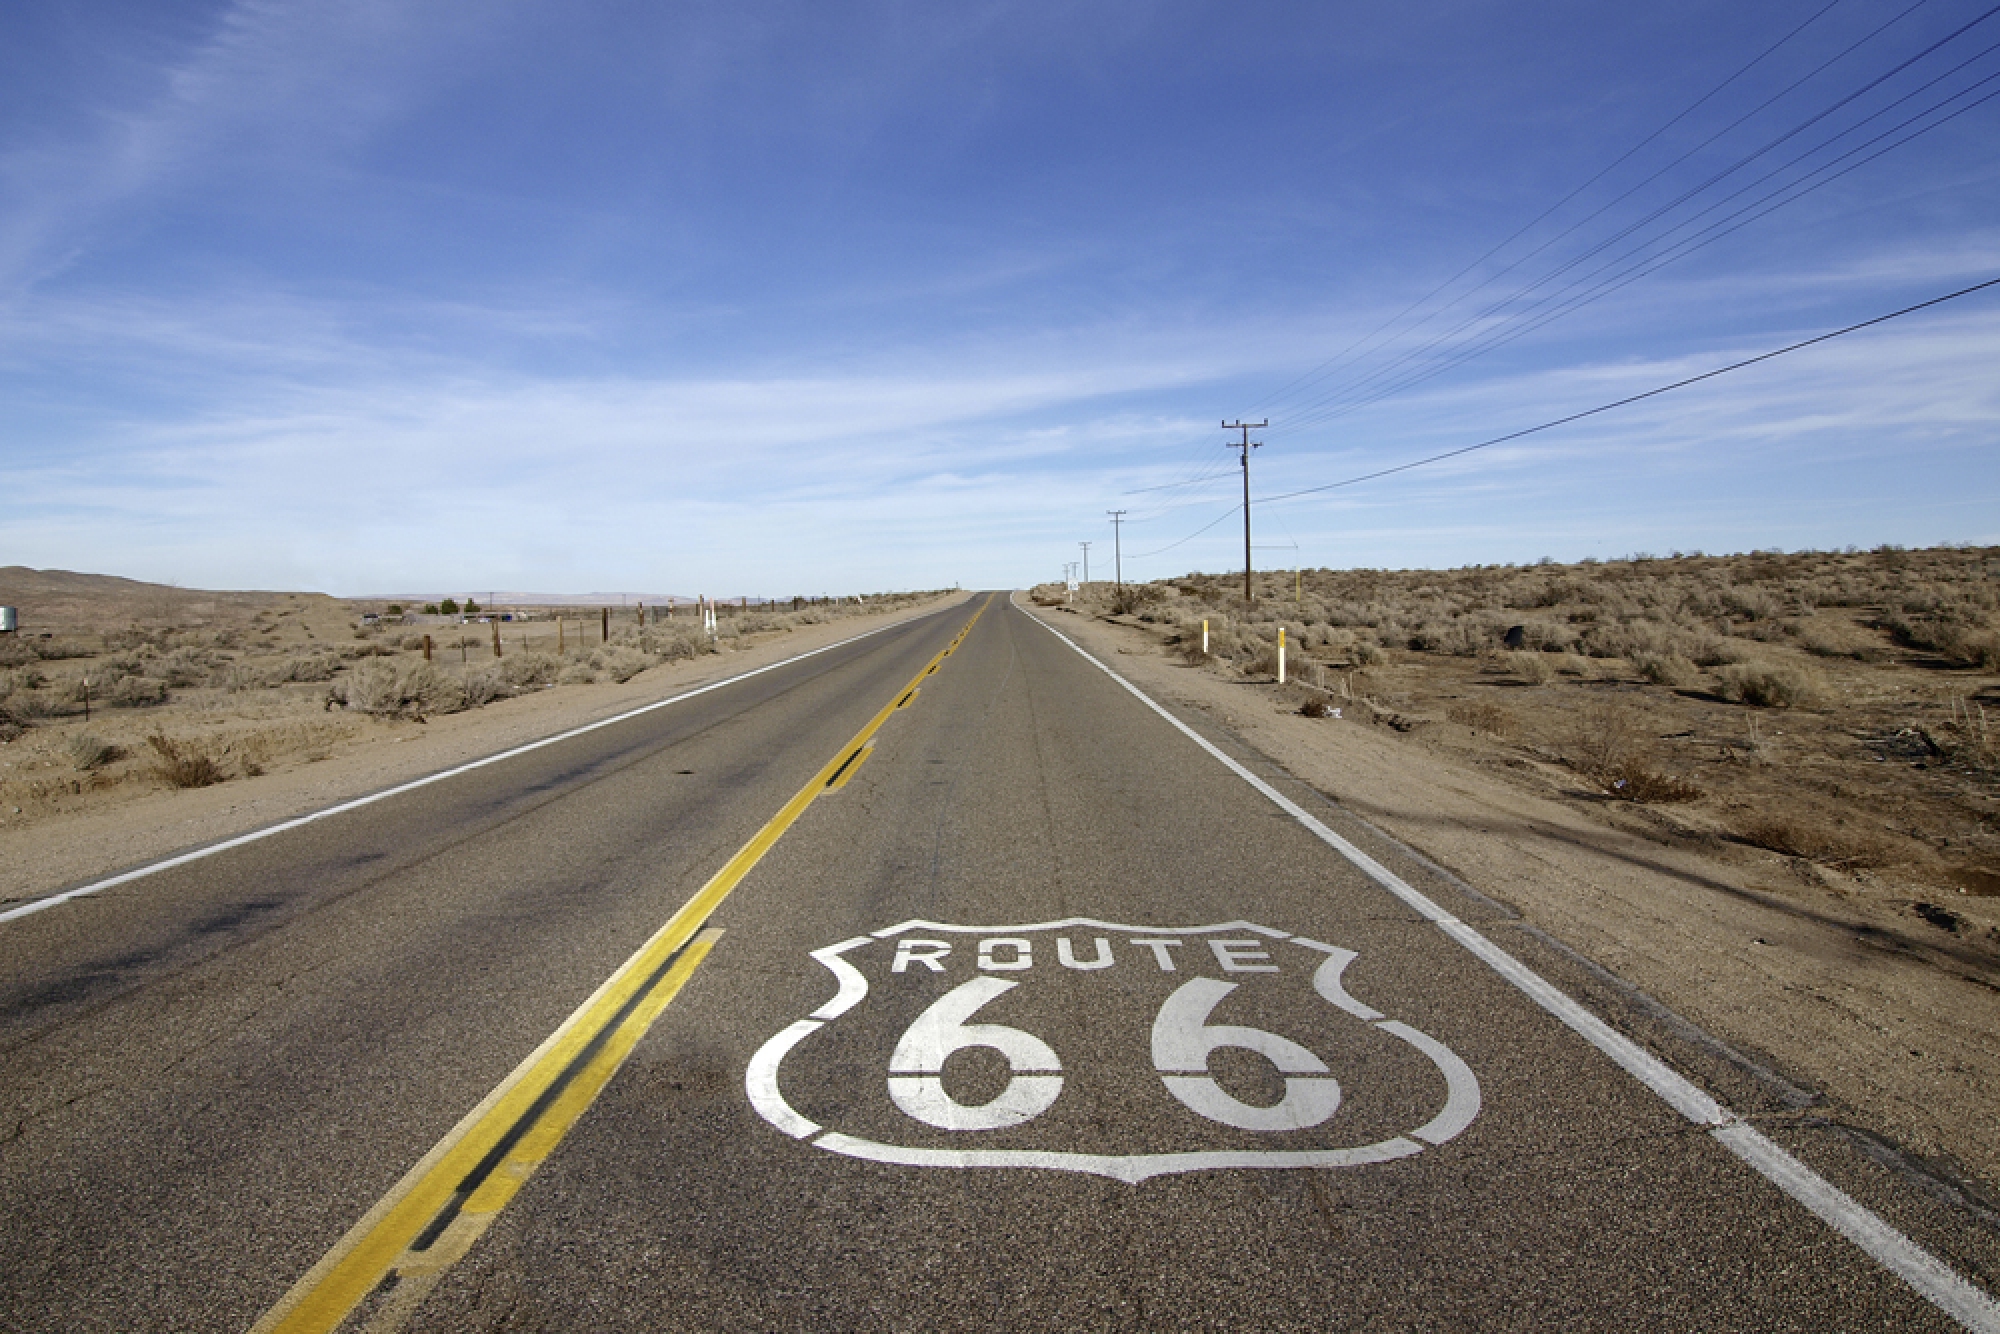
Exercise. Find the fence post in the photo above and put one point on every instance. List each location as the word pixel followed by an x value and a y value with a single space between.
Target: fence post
pixel 427 648
pixel 559 637
pixel 496 639
pixel 604 629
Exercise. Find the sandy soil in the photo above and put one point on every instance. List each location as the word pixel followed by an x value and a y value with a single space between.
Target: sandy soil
pixel 1848 992
pixel 69 832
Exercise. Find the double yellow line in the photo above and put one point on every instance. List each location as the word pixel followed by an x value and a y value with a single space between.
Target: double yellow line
pixel 391 1259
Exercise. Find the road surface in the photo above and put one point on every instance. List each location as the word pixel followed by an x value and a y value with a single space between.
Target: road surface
pixel 933 981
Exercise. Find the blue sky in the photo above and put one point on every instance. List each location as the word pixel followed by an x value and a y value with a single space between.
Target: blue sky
pixel 772 298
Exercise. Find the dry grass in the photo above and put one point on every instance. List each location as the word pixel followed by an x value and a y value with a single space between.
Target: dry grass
pixel 1813 839
pixel 1483 715
pixel 89 752
pixel 179 764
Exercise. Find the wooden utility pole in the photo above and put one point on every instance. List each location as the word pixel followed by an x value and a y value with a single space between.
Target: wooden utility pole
pixel 1246 446
pixel 1117 548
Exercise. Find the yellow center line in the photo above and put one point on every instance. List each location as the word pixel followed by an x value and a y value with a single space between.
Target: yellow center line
pixel 432 1216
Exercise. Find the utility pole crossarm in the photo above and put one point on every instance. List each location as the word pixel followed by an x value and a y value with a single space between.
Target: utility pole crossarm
pixel 1246 446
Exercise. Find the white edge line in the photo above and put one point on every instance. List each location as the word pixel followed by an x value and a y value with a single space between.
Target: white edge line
pixel 1929 1277
pixel 37 905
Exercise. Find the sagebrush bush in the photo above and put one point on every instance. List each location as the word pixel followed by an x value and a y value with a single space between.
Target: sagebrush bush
pixel 483 685
pixel 1534 668
pixel 619 662
pixel 311 668
pixel 1666 669
pixel 89 752
pixel 1771 686
pixel 136 692
pixel 405 690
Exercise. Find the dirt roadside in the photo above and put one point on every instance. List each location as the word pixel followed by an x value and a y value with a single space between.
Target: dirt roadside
pixel 1897 1033
pixel 68 848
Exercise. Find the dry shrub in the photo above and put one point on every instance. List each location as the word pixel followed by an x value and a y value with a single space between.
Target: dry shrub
pixel 29 705
pixel 238 677
pixel 1667 669
pixel 483 685
pixel 180 764
pixel 1534 668
pixel 1967 740
pixel 17 652
pixel 1795 837
pixel 1482 716
pixel 89 752
pixel 1609 745
pixel 1128 598
pixel 1603 739
pixel 136 692
pixel 530 669
pixel 1766 685
pixel 620 663
pixel 26 678
pixel 317 667
pixel 1636 781
pixel 10 726
pixel 1958 635
pixel 409 690
pixel 1316 708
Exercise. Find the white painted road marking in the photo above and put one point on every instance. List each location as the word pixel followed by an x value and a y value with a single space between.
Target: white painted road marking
pixel 37 905
pixel 1929 1277
pixel 1170 1022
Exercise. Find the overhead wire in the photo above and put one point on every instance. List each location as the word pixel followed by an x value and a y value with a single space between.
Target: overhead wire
pixel 1207 473
pixel 1631 398
pixel 1326 367
pixel 1596 286
pixel 1495 308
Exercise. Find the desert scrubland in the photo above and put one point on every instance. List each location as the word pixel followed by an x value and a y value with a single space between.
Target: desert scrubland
pixel 125 704
pixel 1763 788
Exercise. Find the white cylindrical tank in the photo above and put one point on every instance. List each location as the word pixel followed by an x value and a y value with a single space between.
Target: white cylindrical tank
pixel 10 621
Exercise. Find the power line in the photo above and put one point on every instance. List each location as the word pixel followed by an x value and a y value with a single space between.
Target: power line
pixel 1325 367
pixel 1331 403
pixel 1597 287
pixel 1634 398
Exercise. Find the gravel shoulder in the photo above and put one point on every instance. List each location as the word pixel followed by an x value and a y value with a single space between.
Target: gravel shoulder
pixel 1896 1029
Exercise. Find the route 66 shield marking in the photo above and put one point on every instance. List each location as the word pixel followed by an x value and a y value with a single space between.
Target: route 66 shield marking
pixel 1146 1008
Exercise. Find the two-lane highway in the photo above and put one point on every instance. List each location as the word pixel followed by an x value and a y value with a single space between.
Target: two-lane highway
pixel 955 987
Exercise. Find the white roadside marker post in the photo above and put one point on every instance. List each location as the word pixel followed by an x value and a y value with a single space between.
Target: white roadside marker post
pixel 1204 636
pixel 1281 655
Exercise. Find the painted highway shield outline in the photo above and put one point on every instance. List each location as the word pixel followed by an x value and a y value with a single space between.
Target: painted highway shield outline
pixel 1461 1104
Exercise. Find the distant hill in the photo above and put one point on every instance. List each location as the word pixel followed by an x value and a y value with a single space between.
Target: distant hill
pixel 65 601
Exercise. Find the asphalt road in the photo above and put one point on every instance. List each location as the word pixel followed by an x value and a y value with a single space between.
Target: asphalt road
pixel 1031 1016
